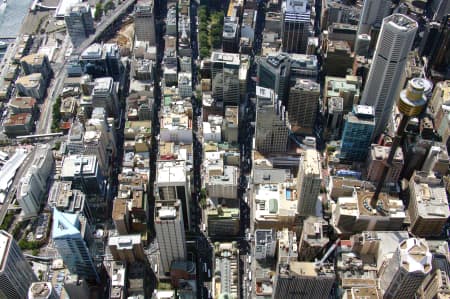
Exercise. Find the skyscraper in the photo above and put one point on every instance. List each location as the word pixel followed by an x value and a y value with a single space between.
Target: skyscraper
pixel 225 77
pixel 382 87
pixel 405 271
pixel 144 21
pixel 79 22
pixel 373 13
pixel 170 233
pixel 309 180
pixel 16 274
pixel 302 105
pixel 296 24
pixel 271 128
pixel 71 234
pixel 358 128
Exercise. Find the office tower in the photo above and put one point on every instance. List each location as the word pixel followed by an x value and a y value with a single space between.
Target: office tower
pixel 271 128
pixel 376 161
pixel 274 73
pixel 37 63
pixel 76 287
pixel 348 89
pixel 356 136
pixel 339 59
pixel 362 44
pixel 104 95
pixel 296 25
pixel 102 60
pixel 225 77
pixel 373 13
pixel 335 118
pixel 313 238
pixel 172 183
pixel 79 23
pixel 404 272
pixel 302 105
pixel 42 290
pixel 16 275
pixel 170 233
pixel 303 280
pixel 428 205
pixel 84 173
pixel 382 88
pixel 71 235
pixel 437 283
pixel 224 185
pixel 223 221
pixel 440 100
pixel 121 216
pixel 185 84
pixel 227 260
pixel 265 243
pixel 230 36
pixel 127 248
pixel 144 21
pixel 309 179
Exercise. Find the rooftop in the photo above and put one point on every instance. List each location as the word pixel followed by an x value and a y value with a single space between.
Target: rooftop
pixel 227 58
pixel 171 172
pixel 30 81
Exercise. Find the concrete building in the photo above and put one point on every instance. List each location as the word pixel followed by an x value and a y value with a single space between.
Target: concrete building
pixel 84 173
pixel 302 106
pixel 104 95
pixel 382 88
pixel 37 63
pixel 144 20
pixel 313 238
pixel 357 133
pixel 309 180
pixel 223 221
pixel 336 11
pixel 271 128
pixel 343 32
pixel 372 15
pixel 33 184
pixel 230 36
pixel 127 248
pixel 303 280
pixel 102 60
pixel 185 84
pixel 170 233
pixel 230 124
pixel 274 73
pixel 42 290
pixel 436 284
pixel 377 160
pixel 340 186
pixel 224 185
pixel 296 26
pixel 172 183
pixel 428 205
pixel 72 235
pixel 348 89
pixel 76 287
pixel 403 274
pixel 22 105
pixel 226 275
pixel 338 58
pixel 16 275
pixel 265 244
pixel 225 77
pixel 335 118
pixel 79 22
pixel 18 124
pixel 354 214
pixel 32 85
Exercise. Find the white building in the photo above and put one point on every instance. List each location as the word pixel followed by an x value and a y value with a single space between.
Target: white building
pixel 16 274
pixel 389 61
pixel 401 276
pixel 372 15
pixel 265 243
pixel 104 95
pixel 224 185
pixel 170 233
pixel 309 180
pixel 33 184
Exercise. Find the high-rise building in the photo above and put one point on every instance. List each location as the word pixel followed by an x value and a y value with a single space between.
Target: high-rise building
pixel 373 13
pixel 309 180
pixel 265 243
pixel 225 77
pixel 16 275
pixel 144 21
pixel 274 73
pixel 127 248
pixel 104 95
pixel 382 87
pixel 303 280
pixel 224 185
pixel 313 239
pixel 71 235
pixel 296 25
pixel 356 136
pixel 79 22
pixel 377 161
pixel 271 128
pixel 42 290
pixel 230 36
pixel 428 205
pixel 302 105
pixel 84 173
pixel 403 274
pixel 170 233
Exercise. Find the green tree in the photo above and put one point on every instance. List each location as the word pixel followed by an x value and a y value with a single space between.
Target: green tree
pixel 98 11
pixel 109 6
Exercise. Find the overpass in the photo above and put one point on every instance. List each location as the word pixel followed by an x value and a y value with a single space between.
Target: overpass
pixel 120 10
pixel 37 136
